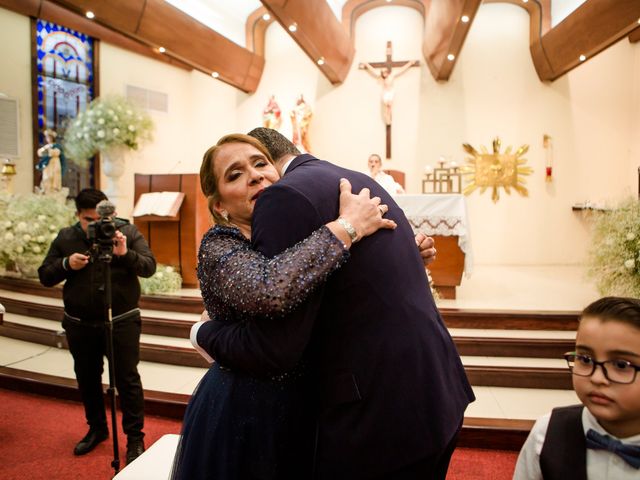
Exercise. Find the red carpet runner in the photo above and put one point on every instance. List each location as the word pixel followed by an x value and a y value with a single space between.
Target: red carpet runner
pixel 37 436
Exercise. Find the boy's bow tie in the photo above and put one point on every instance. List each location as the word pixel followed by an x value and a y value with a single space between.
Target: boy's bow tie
pixel 629 453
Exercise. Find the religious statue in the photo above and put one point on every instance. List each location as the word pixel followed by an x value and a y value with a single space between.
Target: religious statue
pixel 386 77
pixel 300 120
pixel 271 115
pixel 52 163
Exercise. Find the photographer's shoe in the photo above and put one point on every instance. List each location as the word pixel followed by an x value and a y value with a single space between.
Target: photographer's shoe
pixel 90 440
pixel 135 448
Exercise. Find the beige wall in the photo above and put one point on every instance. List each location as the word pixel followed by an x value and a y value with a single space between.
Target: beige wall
pixel 15 82
pixel 592 114
pixel 200 110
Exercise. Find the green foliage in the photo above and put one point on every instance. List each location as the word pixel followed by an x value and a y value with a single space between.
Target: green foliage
pixel 28 225
pixel 107 122
pixel 614 259
pixel 165 280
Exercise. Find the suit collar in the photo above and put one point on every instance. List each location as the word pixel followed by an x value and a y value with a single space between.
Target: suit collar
pixel 299 160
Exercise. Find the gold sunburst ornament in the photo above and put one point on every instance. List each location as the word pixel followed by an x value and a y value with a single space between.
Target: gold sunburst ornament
pixel 495 170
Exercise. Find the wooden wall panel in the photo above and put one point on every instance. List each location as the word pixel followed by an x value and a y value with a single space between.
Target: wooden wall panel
pixel 144 25
pixel 352 9
pixel 591 28
pixel 197 44
pixel 29 8
pixel 76 20
pixel 444 34
pixel 319 34
pixel 255 30
pixel 122 15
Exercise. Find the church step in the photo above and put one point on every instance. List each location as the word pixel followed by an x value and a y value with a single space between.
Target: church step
pixel 174 303
pixel 453 317
pixel 467 343
pixel 178 324
pixel 482 371
pixel 477 432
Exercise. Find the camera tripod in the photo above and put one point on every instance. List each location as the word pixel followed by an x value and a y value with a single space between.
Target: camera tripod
pixel 111 391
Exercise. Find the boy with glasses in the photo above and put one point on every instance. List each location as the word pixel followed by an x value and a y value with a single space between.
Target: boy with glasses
pixel 601 441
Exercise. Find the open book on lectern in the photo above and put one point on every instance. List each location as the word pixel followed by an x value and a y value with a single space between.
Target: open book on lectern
pixel 162 204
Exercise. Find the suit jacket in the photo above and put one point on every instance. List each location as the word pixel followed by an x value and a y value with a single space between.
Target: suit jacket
pixel 391 389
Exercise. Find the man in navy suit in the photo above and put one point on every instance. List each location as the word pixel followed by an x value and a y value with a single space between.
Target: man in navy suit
pixel 391 389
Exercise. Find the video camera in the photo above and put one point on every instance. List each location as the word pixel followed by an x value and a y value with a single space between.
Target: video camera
pixel 101 232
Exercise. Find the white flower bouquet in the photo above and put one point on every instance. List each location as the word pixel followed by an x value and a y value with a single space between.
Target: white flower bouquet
pixel 165 280
pixel 28 225
pixel 614 258
pixel 106 123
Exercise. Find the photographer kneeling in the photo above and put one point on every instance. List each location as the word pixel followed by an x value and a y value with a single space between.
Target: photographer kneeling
pixel 80 260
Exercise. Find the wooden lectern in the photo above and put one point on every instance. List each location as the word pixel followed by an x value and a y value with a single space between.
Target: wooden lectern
pixel 174 240
pixel 447 269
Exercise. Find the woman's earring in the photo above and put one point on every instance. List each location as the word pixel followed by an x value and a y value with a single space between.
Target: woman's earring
pixel 225 214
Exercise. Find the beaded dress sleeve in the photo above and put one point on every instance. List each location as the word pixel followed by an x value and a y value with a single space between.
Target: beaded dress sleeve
pixel 237 282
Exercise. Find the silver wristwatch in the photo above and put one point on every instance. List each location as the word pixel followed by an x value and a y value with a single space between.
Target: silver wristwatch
pixel 353 235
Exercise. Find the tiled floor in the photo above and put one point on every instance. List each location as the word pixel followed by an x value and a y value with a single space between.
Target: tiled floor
pixel 553 288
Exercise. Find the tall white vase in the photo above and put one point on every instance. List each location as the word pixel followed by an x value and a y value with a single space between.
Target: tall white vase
pixel 112 165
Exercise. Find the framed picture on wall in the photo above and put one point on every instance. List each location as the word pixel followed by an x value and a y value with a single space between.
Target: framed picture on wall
pixel 64 81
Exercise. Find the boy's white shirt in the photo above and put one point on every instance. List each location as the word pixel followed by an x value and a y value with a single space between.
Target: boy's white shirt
pixel 601 464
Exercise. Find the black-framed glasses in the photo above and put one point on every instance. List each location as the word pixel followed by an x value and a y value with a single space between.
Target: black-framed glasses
pixel 616 371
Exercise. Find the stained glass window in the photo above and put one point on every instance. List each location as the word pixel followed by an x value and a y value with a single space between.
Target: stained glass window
pixel 64 72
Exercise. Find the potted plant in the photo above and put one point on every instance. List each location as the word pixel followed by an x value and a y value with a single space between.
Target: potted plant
pixel 109 126
pixel 614 258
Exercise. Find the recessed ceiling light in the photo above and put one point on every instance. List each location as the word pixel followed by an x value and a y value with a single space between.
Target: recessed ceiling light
pixel 525 1
pixel 451 57
pixel 320 61
pixel 90 14
pixel 266 17
pixel 293 27
pixel 388 1
pixel 162 49
pixel 464 18
pixel 215 74
pixel 582 58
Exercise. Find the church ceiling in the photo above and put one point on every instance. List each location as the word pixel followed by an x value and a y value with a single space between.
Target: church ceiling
pixel 226 38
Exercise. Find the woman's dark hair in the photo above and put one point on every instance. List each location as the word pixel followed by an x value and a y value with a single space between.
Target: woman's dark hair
pixel 620 309
pixel 208 179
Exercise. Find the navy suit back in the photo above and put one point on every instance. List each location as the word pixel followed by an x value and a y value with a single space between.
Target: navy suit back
pixel 391 387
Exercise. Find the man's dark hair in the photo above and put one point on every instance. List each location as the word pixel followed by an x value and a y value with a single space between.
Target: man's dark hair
pixel 619 309
pixel 88 198
pixel 277 144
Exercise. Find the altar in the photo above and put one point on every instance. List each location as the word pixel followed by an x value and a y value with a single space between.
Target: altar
pixel 443 217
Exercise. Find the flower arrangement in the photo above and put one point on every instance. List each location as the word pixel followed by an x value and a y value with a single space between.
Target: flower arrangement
pixel 28 225
pixel 106 123
pixel 614 258
pixel 165 280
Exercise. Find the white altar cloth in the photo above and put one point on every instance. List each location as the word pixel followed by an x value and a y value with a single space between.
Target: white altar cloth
pixel 440 214
pixel 153 464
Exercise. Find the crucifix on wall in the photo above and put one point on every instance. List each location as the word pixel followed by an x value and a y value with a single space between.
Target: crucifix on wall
pixel 386 76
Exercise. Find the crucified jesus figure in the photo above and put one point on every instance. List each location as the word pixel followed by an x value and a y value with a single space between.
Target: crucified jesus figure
pixel 386 77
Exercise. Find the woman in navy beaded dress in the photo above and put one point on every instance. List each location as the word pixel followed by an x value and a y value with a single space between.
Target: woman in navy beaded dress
pixel 239 427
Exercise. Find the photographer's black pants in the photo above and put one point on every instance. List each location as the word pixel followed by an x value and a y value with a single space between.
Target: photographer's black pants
pixel 88 346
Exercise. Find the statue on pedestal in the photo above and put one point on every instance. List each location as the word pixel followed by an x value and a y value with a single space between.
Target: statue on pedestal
pixel 300 120
pixel 52 164
pixel 271 115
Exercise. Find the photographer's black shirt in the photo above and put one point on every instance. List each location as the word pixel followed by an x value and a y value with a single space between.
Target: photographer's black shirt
pixel 83 291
